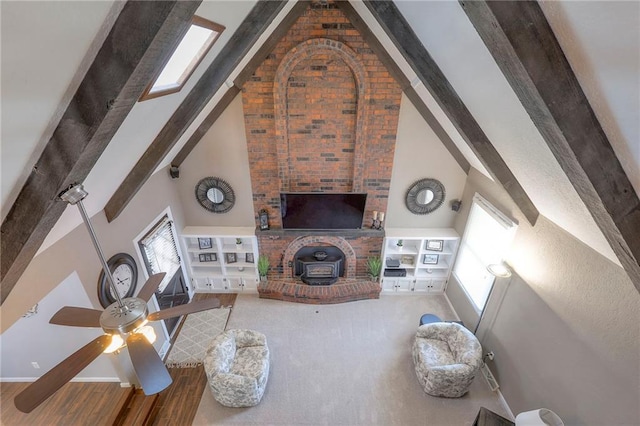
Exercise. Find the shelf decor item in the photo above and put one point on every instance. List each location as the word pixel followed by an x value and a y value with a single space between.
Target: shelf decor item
pixel 230 258
pixel 430 259
pixel 207 257
pixel 248 257
pixel 399 244
pixel 204 243
pixel 407 260
pixel 238 243
pixel 435 245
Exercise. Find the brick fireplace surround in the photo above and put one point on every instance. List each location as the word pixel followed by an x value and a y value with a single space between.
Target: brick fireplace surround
pixel 321 115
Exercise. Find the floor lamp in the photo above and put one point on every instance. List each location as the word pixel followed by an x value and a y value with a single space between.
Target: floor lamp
pixel 498 270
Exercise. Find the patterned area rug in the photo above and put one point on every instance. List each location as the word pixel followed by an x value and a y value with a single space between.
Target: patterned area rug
pixel 197 332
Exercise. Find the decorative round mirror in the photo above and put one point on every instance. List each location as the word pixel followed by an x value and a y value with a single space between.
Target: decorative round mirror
pixel 215 195
pixel 425 196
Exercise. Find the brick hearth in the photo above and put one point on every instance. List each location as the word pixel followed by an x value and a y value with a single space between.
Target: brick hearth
pixel 345 290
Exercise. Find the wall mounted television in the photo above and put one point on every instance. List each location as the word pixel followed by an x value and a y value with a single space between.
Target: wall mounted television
pixel 322 210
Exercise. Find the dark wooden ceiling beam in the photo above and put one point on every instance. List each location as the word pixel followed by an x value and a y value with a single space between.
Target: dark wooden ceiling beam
pixel 417 56
pixel 523 44
pixel 141 40
pixel 239 81
pixel 247 34
pixel 393 68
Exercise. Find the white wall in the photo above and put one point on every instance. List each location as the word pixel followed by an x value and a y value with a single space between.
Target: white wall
pixel 419 154
pixel 222 152
pixel 19 347
pixel 566 334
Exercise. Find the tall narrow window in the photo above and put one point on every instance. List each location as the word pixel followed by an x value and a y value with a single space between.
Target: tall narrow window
pixel 487 237
pixel 187 56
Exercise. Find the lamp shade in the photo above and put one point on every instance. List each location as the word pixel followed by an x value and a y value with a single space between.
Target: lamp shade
pixel 499 270
pixel 540 417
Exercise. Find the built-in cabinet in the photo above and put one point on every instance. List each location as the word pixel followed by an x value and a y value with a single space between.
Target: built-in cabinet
pixel 427 256
pixel 217 262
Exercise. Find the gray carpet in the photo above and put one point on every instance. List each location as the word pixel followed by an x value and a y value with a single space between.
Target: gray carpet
pixel 345 364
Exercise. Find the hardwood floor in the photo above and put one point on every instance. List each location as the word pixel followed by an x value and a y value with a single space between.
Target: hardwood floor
pixel 74 404
pixel 96 404
pixel 178 403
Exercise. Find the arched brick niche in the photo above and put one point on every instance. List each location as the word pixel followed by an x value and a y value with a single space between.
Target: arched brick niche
pixel 339 242
pixel 322 37
pixel 321 94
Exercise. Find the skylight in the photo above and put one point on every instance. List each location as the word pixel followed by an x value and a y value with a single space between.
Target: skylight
pixel 191 50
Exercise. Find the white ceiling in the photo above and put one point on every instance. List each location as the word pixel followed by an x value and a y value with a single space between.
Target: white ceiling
pixel 44 43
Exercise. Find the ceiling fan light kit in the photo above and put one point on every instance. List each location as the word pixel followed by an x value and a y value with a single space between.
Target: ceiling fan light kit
pixel 125 323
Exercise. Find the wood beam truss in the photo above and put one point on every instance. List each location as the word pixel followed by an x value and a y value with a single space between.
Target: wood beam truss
pixel 417 56
pixel 142 38
pixel 525 48
pixel 393 68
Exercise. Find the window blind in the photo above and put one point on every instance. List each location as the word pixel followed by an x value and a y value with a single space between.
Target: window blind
pixel 487 237
pixel 160 252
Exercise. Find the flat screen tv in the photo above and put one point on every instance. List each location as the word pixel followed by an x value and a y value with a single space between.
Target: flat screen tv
pixel 322 210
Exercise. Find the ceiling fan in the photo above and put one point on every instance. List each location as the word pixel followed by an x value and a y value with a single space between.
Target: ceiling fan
pixel 124 323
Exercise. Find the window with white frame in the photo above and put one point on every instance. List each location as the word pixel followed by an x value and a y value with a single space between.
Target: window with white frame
pixel 160 252
pixel 486 240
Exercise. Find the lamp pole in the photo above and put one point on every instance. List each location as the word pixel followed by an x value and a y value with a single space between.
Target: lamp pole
pixel 498 270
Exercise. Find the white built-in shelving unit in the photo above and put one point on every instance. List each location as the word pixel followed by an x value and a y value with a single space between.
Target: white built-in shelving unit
pixel 216 263
pixel 427 255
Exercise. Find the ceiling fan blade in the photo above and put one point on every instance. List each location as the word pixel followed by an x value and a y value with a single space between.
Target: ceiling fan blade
pixel 149 368
pixel 77 317
pixel 187 308
pixel 151 286
pixel 37 392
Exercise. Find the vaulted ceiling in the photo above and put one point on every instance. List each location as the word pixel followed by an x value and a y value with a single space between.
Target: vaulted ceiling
pixel 475 70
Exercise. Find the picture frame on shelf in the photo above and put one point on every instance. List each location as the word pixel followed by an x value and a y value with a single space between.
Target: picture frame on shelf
pixel 205 243
pixel 430 259
pixel 207 257
pixel 407 260
pixel 435 245
pixel 230 257
pixel 248 257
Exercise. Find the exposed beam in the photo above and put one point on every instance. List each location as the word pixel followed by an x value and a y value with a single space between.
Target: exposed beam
pixel 417 56
pixel 247 34
pixel 141 39
pixel 523 44
pixel 242 77
pixel 393 68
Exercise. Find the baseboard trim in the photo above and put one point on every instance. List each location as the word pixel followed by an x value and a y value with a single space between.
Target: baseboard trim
pixel 450 305
pixel 493 385
pixel 77 379
pixel 506 407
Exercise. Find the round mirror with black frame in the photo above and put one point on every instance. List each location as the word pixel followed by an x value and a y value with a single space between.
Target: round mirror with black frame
pixel 215 195
pixel 425 196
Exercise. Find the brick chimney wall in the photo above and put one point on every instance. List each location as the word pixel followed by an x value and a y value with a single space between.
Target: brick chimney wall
pixel 321 114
